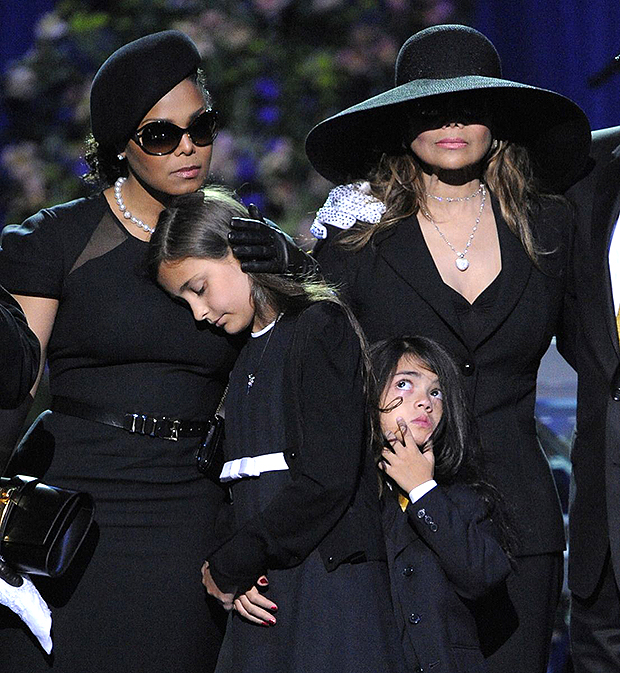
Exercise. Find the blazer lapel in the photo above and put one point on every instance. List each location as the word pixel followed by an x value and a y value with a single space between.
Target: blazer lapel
pixel 399 532
pixel 515 273
pixel 405 250
pixel 407 253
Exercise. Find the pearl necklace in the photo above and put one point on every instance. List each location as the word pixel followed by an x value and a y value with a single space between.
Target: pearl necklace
pixel 455 199
pixel 462 264
pixel 123 208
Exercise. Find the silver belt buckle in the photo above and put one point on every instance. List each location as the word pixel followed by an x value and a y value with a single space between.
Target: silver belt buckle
pixel 174 430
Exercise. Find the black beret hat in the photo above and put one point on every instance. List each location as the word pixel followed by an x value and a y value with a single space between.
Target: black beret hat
pixel 133 79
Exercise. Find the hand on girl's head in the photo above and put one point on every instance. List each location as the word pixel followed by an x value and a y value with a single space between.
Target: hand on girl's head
pixel 408 464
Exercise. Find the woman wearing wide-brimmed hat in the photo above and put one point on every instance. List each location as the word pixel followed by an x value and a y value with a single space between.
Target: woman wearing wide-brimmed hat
pixel 441 228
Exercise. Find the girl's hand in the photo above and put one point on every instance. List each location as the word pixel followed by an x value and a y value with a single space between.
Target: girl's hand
pixel 255 607
pixel 226 600
pixel 406 463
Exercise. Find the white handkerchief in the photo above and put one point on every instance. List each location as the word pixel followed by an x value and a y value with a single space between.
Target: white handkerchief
pixel 28 604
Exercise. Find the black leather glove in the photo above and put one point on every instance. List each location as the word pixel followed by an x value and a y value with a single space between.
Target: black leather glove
pixel 262 247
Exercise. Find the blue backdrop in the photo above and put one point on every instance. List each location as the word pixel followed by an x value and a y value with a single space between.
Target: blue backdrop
pixel 17 31
pixel 559 45
pixel 555 44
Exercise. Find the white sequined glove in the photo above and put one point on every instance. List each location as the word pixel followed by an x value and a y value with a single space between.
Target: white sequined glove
pixel 345 205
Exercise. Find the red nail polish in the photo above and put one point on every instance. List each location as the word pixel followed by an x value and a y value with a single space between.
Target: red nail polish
pixel 274 608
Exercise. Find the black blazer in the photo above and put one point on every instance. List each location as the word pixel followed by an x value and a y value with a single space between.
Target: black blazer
pixel 394 289
pixel 19 353
pixel 443 556
pixel 594 520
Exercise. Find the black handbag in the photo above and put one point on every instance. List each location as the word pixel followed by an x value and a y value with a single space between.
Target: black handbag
pixel 41 526
pixel 210 453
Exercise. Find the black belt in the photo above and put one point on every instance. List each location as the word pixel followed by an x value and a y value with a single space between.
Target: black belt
pixel 163 427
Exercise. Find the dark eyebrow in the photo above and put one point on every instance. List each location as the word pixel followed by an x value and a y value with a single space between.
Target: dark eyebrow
pixel 414 374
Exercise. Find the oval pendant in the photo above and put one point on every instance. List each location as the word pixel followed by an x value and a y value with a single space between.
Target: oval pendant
pixel 461 263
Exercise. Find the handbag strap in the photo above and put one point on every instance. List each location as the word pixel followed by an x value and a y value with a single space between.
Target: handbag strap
pixel 221 404
pixel 10 488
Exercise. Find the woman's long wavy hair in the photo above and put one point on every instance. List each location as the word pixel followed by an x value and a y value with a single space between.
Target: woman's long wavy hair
pixel 455 440
pixel 104 166
pixel 198 224
pixel 397 180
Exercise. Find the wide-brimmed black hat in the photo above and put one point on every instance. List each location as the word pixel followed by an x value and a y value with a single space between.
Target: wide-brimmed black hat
pixel 133 79
pixel 438 62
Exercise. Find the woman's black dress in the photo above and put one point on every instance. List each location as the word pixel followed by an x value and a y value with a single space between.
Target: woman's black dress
pixel 120 343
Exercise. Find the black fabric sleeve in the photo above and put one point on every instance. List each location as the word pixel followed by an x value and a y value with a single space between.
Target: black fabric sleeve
pixel 337 264
pixel 31 258
pixel 324 385
pixel 567 333
pixel 554 231
pixel 19 353
pixel 454 524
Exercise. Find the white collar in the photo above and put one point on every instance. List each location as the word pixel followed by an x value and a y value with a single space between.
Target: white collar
pixel 260 332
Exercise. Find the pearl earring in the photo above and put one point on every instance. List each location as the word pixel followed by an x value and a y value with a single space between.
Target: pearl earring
pixel 119 156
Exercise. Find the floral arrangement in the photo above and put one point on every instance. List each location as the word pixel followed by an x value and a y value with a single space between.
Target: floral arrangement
pixel 274 67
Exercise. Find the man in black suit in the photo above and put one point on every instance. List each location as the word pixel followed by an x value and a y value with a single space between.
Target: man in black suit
pixel 594 534
pixel 19 365
pixel 19 353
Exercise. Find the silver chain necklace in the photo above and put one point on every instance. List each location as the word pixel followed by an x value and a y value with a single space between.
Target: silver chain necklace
pixel 456 199
pixel 252 377
pixel 118 185
pixel 462 264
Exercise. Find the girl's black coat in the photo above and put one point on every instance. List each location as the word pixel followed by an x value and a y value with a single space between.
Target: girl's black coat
pixel 443 556
pixel 332 502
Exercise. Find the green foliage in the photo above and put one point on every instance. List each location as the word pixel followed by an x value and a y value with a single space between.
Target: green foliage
pixel 275 68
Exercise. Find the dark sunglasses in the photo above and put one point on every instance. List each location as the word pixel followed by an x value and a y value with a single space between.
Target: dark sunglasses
pixel 456 107
pixel 161 137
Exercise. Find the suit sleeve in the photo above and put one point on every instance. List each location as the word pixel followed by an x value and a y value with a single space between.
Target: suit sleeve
pixel 324 386
pixel 455 525
pixel 19 353
pixel 567 332
pixel 337 264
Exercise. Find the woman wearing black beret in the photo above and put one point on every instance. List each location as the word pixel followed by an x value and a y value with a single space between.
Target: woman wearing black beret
pixel 131 392
pixel 441 230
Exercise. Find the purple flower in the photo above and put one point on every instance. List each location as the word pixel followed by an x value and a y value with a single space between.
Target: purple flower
pixel 269 114
pixel 246 168
pixel 256 198
pixel 267 88
pixel 79 167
